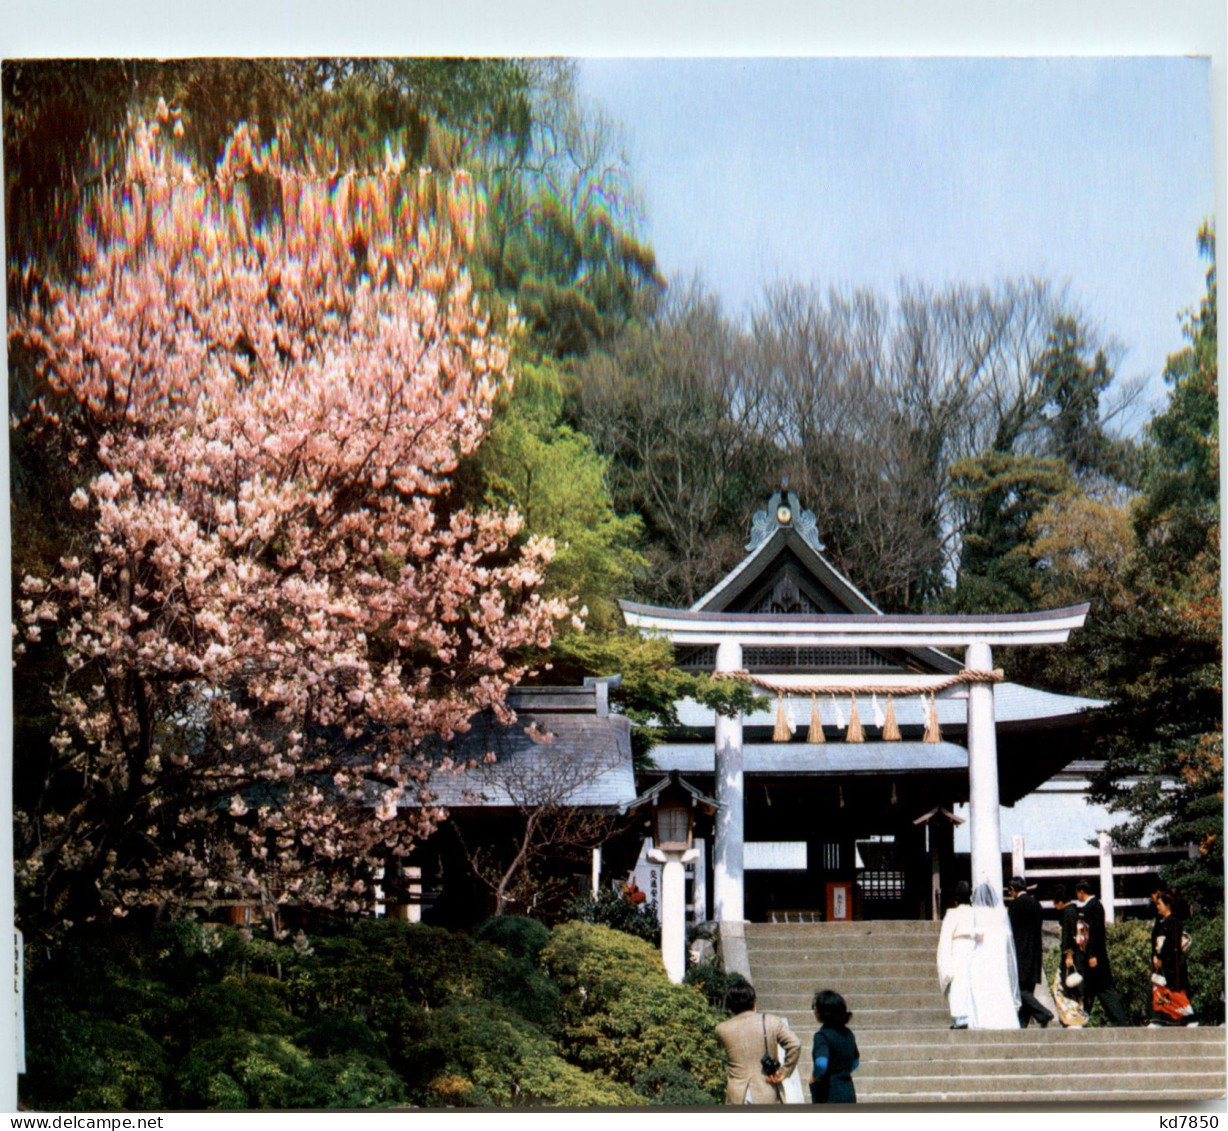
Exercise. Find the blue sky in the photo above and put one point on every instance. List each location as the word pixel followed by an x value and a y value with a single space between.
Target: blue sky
pixel 1092 173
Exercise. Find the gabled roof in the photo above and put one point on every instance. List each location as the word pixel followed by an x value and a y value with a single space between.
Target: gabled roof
pixel 562 750
pixel 759 564
pixel 784 538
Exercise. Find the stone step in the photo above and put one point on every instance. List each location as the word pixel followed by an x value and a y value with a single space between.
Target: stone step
pixel 773 961
pixel 851 989
pixel 1008 1067
pixel 1060 1041
pixel 847 944
pixel 782 1001
pixel 848 927
pixel 912 1018
pixel 1054 1099
pixel 1042 1082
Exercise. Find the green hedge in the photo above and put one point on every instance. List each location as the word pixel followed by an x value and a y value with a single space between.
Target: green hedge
pixel 374 1014
pixel 621 1015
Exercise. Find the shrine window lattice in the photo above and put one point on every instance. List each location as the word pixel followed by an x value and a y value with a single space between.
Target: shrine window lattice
pixel 804 659
pixel 881 885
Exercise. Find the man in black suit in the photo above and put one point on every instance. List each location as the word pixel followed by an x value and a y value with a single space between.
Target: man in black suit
pixel 1025 915
pixel 1097 974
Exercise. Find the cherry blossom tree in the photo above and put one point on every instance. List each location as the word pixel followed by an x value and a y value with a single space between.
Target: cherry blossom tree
pixel 264 378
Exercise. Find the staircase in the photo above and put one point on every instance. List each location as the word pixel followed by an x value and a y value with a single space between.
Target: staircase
pixel 909 1055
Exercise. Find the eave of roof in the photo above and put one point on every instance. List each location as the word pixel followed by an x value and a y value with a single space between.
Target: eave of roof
pixel 802 760
pixel 1014 705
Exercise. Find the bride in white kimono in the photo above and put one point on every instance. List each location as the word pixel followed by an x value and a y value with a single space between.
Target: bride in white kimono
pixel 976 962
pixel 955 945
pixel 993 973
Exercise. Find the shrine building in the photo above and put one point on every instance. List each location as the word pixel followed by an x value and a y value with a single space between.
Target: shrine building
pixel 837 799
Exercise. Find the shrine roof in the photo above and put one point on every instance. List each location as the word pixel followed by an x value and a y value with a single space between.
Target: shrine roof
pixel 801 759
pixel 585 761
pixel 1015 706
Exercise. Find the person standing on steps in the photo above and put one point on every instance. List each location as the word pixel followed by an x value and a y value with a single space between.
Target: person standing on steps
pixel 955 945
pixel 834 1053
pixel 993 975
pixel 1170 986
pixel 752 1042
pixel 1026 918
pixel 1068 984
pixel 1097 973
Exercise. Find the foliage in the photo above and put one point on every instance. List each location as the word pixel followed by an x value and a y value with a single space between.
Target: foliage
pixel 1004 492
pixel 1206 966
pixel 271 601
pixel 248 1070
pixel 609 909
pixel 492 1057
pixel 375 1014
pixel 713 982
pixel 620 1012
pixel 662 404
pixel 666 1085
pixel 558 238
pixel 1159 656
pixel 532 461
pixel 1129 947
pixel 77 1061
pixel 517 935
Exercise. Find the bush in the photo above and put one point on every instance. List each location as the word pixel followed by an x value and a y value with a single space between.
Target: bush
pixel 480 1054
pixel 622 1015
pixel 516 935
pixel 262 1070
pixel 713 983
pixel 611 910
pixel 1129 944
pixel 518 981
pixel 665 1085
pixel 78 1062
pixel 1206 965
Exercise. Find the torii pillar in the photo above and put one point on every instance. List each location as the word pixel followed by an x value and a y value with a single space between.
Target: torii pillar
pixel 985 820
pixel 728 889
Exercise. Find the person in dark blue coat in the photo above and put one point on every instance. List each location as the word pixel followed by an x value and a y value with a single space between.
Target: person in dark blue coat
pixel 834 1051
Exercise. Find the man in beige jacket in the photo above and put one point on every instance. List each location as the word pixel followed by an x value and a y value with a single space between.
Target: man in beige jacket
pixel 747 1037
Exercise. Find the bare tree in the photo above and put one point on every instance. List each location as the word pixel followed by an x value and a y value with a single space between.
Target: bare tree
pixel 549 783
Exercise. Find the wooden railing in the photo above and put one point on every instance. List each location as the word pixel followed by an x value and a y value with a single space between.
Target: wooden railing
pixel 1117 869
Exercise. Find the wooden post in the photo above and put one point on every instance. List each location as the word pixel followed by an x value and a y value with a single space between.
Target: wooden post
pixel 1017 858
pixel 1107 895
pixel 727 874
pixel 699 890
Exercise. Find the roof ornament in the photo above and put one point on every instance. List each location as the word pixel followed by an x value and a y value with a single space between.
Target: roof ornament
pixel 783 509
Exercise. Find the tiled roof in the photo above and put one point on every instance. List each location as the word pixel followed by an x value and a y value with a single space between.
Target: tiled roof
pixel 805 759
pixel 586 763
pixel 1013 703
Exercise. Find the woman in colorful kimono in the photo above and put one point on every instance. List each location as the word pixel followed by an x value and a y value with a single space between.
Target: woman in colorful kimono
pixel 1170 987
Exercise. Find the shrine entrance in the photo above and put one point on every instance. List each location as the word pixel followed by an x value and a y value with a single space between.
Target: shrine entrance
pixel 869 723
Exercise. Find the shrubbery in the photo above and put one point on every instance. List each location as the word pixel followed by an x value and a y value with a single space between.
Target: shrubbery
pixel 610 910
pixel 713 982
pixel 377 1014
pixel 621 1014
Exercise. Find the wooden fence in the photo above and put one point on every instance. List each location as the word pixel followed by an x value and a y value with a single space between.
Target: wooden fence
pixel 1127 876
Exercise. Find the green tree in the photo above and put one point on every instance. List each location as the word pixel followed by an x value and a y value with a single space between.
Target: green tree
pixel 1152 645
pixel 1003 493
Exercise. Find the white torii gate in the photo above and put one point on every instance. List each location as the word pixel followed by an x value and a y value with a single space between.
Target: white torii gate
pixel 977 635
